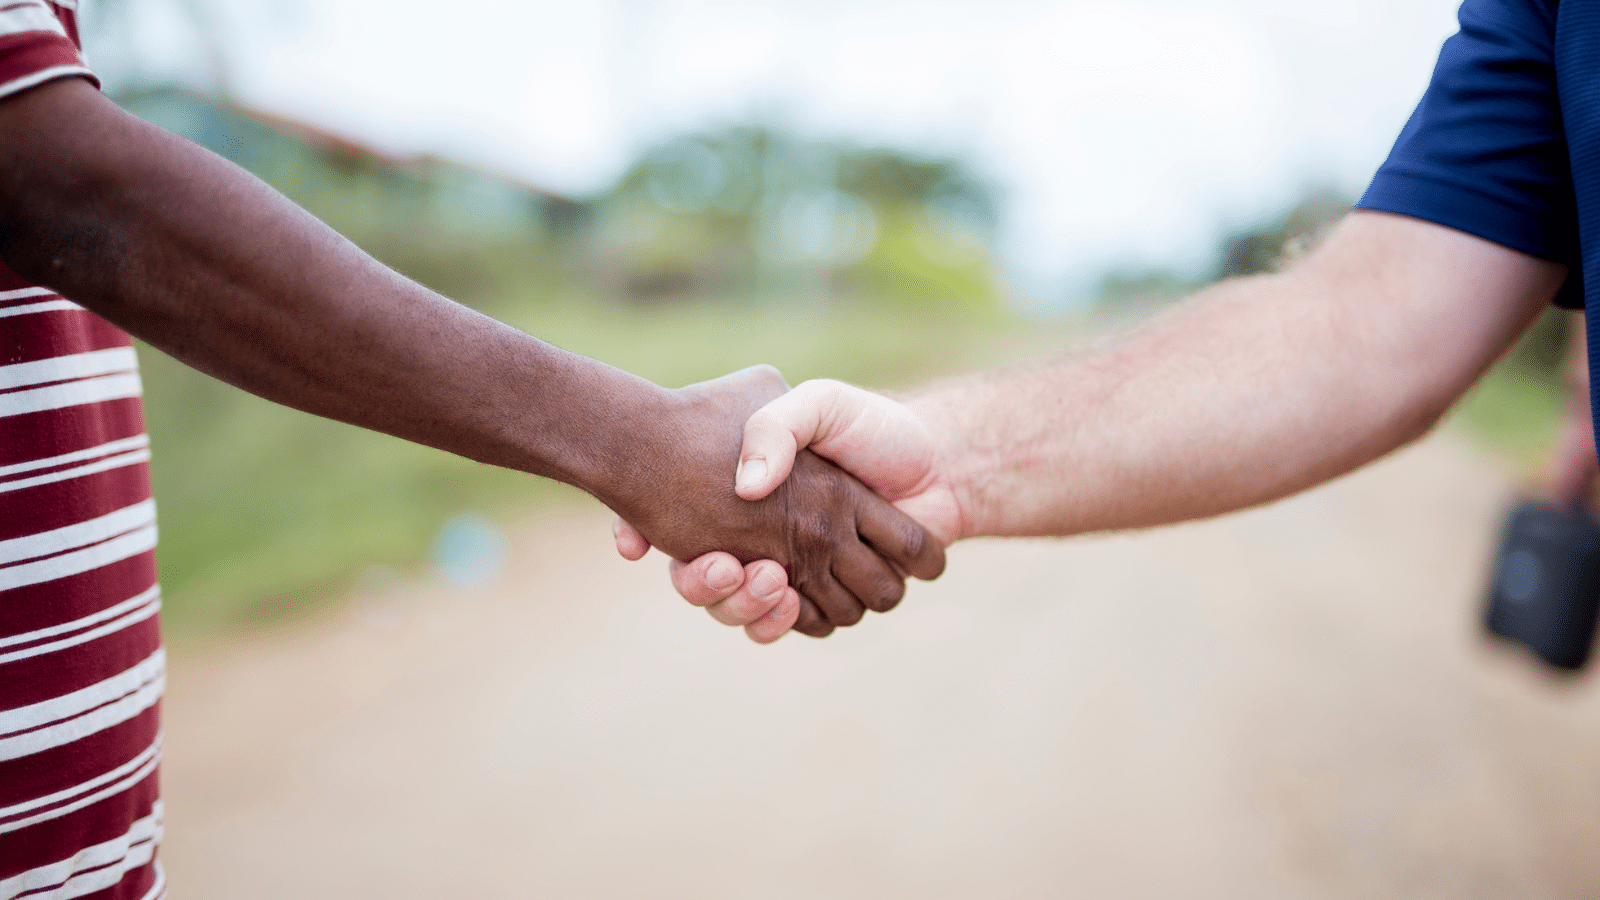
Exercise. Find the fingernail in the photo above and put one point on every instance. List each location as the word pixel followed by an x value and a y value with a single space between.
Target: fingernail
pixel 766 584
pixel 616 528
pixel 721 575
pixel 751 472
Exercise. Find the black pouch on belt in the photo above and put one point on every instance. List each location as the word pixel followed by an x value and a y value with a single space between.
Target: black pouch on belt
pixel 1546 589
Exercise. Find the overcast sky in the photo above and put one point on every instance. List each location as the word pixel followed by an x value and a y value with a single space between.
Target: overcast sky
pixel 1121 131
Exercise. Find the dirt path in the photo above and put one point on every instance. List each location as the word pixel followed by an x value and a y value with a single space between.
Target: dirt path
pixel 1288 703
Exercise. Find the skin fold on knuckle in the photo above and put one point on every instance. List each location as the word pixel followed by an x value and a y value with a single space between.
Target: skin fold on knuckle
pixel 848 616
pixel 838 605
pixel 770 378
pixel 747 608
pixel 913 552
pixel 725 615
pixel 886 595
pixel 775 624
pixel 811 622
pixel 918 553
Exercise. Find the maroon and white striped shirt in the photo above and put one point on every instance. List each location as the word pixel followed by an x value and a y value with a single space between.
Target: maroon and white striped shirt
pixel 81 663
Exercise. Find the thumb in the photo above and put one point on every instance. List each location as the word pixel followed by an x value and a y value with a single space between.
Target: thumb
pixel 630 543
pixel 776 432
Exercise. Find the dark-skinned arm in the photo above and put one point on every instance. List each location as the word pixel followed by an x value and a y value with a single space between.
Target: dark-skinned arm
pixel 203 261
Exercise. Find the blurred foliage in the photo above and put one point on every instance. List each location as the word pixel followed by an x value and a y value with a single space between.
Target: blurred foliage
pixel 1144 288
pixel 1266 246
pixel 751 210
pixel 1273 245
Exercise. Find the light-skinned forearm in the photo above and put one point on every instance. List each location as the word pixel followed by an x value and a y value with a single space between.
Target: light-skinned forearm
pixel 1252 390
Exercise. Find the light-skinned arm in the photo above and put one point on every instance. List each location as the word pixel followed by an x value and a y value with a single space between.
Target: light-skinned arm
pixel 1249 391
pixel 187 251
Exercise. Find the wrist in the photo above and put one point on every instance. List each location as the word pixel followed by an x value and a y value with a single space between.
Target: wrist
pixel 668 466
pixel 623 441
pixel 957 461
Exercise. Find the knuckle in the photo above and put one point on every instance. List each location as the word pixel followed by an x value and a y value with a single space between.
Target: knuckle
pixel 769 377
pixel 846 614
pixel 816 629
pixel 886 595
pixel 723 613
pixel 914 542
pixel 813 625
pixel 822 388
pixel 698 593
pixel 810 541
pixel 746 609
pixel 761 423
pixel 816 617
pixel 695 594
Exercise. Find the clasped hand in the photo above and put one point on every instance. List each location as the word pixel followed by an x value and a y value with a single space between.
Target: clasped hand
pixel 887 446
pixel 819 544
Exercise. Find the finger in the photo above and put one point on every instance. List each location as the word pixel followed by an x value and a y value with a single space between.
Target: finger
pixel 776 623
pixel 708 579
pixel 811 622
pixel 865 574
pixel 898 538
pixel 838 606
pixel 785 426
pixel 764 586
pixel 630 543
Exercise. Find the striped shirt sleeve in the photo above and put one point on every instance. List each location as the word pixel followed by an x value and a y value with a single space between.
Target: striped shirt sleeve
pixel 38 44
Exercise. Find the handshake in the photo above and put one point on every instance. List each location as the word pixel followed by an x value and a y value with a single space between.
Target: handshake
pixel 835 496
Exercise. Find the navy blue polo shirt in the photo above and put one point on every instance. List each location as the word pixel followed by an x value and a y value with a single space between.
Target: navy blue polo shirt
pixel 1485 152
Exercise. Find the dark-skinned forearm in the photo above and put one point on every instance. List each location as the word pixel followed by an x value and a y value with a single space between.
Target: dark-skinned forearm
pixel 188 252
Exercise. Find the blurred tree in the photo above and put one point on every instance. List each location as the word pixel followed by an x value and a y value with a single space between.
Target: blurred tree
pixel 752 209
pixel 1139 288
pixel 1269 246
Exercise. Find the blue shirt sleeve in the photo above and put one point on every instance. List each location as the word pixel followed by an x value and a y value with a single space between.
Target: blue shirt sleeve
pixel 1485 151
